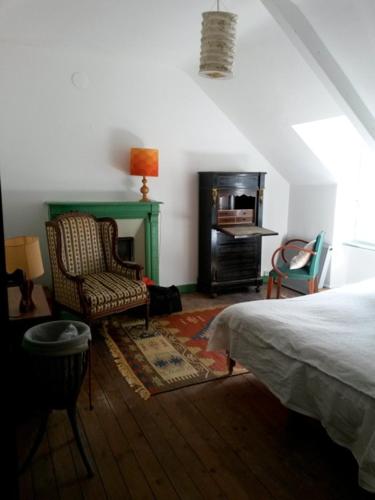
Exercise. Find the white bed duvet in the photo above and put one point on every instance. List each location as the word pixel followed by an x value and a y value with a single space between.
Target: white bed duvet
pixel 316 353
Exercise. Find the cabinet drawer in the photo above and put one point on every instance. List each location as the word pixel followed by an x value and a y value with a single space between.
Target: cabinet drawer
pixel 227 269
pixel 226 220
pixel 224 241
pixel 226 213
pixel 246 180
pixel 249 212
pixel 244 216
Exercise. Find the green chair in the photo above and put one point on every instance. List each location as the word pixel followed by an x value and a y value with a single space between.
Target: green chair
pixel 308 272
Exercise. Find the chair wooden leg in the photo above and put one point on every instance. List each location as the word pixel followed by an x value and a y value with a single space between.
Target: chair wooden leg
pixel 316 289
pixel 278 287
pixel 230 363
pixel 311 286
pixel 269 287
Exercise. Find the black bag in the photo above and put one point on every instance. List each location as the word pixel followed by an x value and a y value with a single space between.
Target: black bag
pixel 164 300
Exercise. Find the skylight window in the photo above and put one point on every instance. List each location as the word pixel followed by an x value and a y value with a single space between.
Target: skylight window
pixel 341 149
pixel 335 142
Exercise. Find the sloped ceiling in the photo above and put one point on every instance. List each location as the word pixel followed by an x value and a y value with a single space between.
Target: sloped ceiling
pixel 273 87
pixel 347 27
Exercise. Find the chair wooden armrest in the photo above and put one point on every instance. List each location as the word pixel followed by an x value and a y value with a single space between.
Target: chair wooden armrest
pixel 127 265
pixel 288 243
pixel 295 247
pixel 287 247
pixel 273 262
pixel 296 239
pixel 76 278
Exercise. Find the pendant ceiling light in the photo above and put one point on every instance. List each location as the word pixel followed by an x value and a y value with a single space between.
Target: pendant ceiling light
pixel 217 43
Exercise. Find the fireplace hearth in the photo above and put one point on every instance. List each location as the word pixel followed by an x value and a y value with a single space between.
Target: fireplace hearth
pixel 125 247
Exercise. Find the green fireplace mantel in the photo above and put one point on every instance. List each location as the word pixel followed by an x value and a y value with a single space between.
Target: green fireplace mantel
pixel 148 211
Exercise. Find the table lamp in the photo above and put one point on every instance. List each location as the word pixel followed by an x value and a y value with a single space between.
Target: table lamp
pixel 144 162
pixel 23 253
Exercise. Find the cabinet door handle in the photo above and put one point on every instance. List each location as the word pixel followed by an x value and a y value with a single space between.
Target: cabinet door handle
pixel 214 196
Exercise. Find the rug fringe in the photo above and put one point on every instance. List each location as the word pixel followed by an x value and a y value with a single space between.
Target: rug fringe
pixel 124 367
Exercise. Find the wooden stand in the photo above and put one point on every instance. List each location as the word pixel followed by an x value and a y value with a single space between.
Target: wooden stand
pixel 41 310
pixel 144 190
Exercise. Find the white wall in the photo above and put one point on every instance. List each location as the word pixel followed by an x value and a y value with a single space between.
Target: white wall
pixel 311 210
pixel 60 142
pixel 350 264
pixel 357 264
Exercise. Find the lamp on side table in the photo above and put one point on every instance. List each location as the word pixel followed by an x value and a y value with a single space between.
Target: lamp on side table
pixel 23 253
pixel 144 162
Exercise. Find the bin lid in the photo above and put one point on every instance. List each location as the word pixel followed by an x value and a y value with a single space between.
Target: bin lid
pixel 57 338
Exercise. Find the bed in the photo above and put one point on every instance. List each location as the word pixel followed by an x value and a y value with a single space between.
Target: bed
pixel 316 353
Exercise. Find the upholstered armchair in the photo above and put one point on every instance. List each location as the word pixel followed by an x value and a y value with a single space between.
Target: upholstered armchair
pixel 305 270
pixel 88 276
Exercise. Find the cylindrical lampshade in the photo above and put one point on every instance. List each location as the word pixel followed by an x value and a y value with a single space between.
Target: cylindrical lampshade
pixel 144 161
pixel 217 44
pixel 23 252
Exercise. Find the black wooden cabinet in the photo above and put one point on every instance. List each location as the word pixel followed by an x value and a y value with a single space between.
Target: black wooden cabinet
pixel 230 230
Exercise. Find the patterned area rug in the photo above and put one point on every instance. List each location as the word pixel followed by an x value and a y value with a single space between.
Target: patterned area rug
pixel 170 355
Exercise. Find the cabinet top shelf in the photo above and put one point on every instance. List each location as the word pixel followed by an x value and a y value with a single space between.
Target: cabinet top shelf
pixel 235 172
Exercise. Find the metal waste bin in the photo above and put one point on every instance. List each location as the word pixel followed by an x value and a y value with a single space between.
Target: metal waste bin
pixel 58 354
pixel 57 365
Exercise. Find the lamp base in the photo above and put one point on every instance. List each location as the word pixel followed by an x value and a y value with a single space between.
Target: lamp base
pixel 144 190
pixel 26 303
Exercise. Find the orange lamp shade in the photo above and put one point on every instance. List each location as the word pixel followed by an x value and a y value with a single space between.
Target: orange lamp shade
pixel 144 161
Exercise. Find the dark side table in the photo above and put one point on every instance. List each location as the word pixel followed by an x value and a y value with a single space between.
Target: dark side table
pixel 42 311
pixel 18 324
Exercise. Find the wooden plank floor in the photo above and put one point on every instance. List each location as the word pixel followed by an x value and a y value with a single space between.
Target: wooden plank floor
pixel 228 438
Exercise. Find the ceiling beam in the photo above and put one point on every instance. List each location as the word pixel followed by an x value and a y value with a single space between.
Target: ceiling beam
pixel 316 54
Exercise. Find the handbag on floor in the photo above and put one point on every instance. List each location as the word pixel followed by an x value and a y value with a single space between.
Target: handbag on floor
pixel 164 299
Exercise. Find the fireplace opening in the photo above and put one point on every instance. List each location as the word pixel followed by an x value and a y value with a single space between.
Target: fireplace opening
pixel 125 247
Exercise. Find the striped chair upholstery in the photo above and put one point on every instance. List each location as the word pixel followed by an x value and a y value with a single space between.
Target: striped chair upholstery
pixel 88 276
